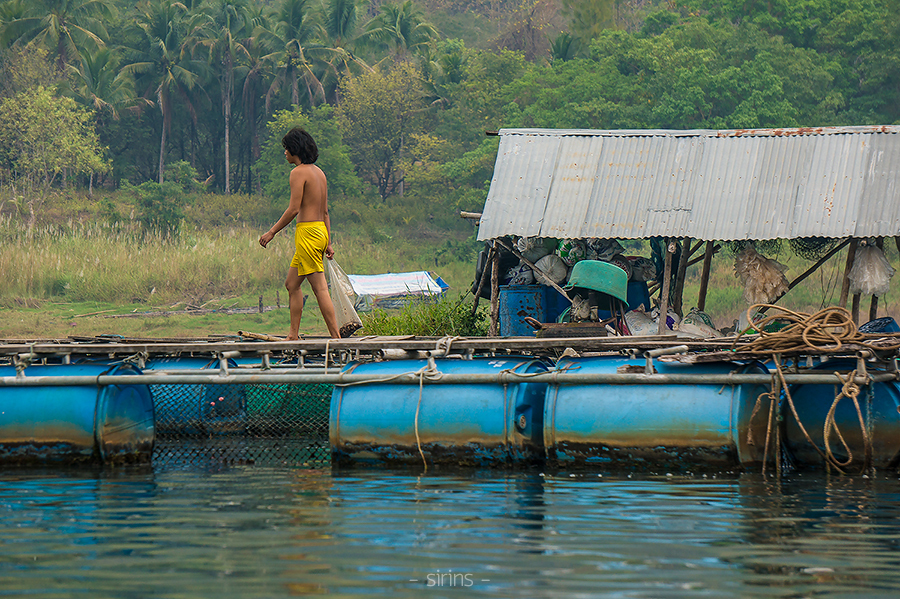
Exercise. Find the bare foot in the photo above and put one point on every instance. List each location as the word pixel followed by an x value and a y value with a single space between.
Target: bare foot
pixel 292 338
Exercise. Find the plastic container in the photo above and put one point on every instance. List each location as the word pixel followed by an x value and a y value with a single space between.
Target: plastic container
pixel 880 412
pixel 456 424
pixel 76 423
pixel 672 426
pixel 516 302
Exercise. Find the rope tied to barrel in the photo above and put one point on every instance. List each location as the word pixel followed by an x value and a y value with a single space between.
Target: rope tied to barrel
pixel 430 372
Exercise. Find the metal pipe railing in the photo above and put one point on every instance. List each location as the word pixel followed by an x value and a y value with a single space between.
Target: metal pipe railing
pixel 430 378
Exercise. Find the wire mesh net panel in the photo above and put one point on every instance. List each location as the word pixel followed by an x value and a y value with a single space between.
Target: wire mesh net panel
pixel 273 424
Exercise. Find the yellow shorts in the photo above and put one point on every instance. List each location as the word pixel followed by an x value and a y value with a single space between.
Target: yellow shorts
pixel 311 239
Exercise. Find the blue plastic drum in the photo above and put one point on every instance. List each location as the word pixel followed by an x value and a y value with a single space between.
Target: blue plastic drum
pixel 458 424
pixel 875 415
pixel 70 424
pixel 653 426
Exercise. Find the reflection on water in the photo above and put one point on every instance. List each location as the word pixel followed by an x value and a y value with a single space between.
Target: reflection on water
pixel 252 531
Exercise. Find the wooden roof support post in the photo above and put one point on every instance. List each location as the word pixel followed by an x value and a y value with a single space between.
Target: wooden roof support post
pixel 845 284
pixel 679 278
pixel 488 260
pixel 704 276
pixel 494 331
pixel 664 293
pixel 873 303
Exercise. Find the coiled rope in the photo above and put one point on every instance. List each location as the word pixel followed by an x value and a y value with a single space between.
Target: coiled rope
pixel 829 329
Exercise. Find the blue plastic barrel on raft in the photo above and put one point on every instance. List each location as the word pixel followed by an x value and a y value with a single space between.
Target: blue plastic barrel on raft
pixel 71 424
pixel 186 409
pixel 517 302
pixel 456 424
pixel 875 415
pixel 648 426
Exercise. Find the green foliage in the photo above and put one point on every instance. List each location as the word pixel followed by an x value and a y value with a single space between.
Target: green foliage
pixel 42 135
pixel 437 318
pixel 160 205
pixel 273 169
pixel 379 111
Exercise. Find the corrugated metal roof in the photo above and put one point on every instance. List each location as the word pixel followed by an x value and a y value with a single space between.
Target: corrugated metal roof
pixel 705 184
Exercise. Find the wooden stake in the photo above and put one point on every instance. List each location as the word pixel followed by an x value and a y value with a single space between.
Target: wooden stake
pixel 845 284
pixel 260 305
pixel 704 276
pixel 664 294
pixel 495 293
pixel 854 309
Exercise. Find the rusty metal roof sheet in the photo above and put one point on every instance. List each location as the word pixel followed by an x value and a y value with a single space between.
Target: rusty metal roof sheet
pixel 705 184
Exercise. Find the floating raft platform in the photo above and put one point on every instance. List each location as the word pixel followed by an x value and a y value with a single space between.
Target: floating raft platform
pixel 578 402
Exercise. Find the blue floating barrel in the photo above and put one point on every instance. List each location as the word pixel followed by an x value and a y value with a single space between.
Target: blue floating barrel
pixel 197 409
pixel 458 424
pixel 69 424
pixel 517 302
pixel 640 426
pixel 878 408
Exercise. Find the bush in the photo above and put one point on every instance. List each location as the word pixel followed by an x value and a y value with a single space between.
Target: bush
pixel 440 318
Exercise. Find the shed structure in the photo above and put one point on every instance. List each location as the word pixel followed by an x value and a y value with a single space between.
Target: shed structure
pixel 834 182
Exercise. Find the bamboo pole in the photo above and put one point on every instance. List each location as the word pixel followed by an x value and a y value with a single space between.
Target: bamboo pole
pixel 494 330
pixel 845 284
pixel 664 293
pixel 704 276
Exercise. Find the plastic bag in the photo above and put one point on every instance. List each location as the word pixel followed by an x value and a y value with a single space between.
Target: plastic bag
pixel 871 273
pixel 640 324
pixel 763 279
pixel 341 291
pixel 697 324
pixel 551 266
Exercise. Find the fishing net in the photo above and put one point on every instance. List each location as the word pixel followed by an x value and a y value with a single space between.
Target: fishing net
pixel 269 424
pixel 766 247
pixel 812 248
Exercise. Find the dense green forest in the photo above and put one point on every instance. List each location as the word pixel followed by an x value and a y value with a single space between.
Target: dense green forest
pixel 157 115
pixel 401 93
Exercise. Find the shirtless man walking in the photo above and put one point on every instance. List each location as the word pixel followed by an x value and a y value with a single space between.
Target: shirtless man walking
pixel 309 205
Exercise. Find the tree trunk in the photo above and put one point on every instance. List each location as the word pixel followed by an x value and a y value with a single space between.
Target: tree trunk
pixel 226 104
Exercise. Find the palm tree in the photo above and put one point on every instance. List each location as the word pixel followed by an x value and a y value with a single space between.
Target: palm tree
pixel 97 83
pixel 160 60
pixel 402 29
pixel 341 28
pixel 293 46
pixel 63 26
pixel 222 37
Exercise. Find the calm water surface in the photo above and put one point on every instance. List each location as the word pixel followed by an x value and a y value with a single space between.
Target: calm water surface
pixel 251 531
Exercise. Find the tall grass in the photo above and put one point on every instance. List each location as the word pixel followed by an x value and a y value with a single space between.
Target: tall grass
pixel 447 315
pixel 120 263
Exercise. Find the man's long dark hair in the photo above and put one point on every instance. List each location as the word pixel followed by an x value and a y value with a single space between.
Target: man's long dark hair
pixel 301 144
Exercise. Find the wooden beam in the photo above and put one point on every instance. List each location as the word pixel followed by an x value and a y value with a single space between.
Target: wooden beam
pixel 489 259
pixel 704 276
pixel 845 283
pixel 494 330
pixel 873 303
pixel 680 275
pixel 809 271
pixel 531 265
pixel 664 293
